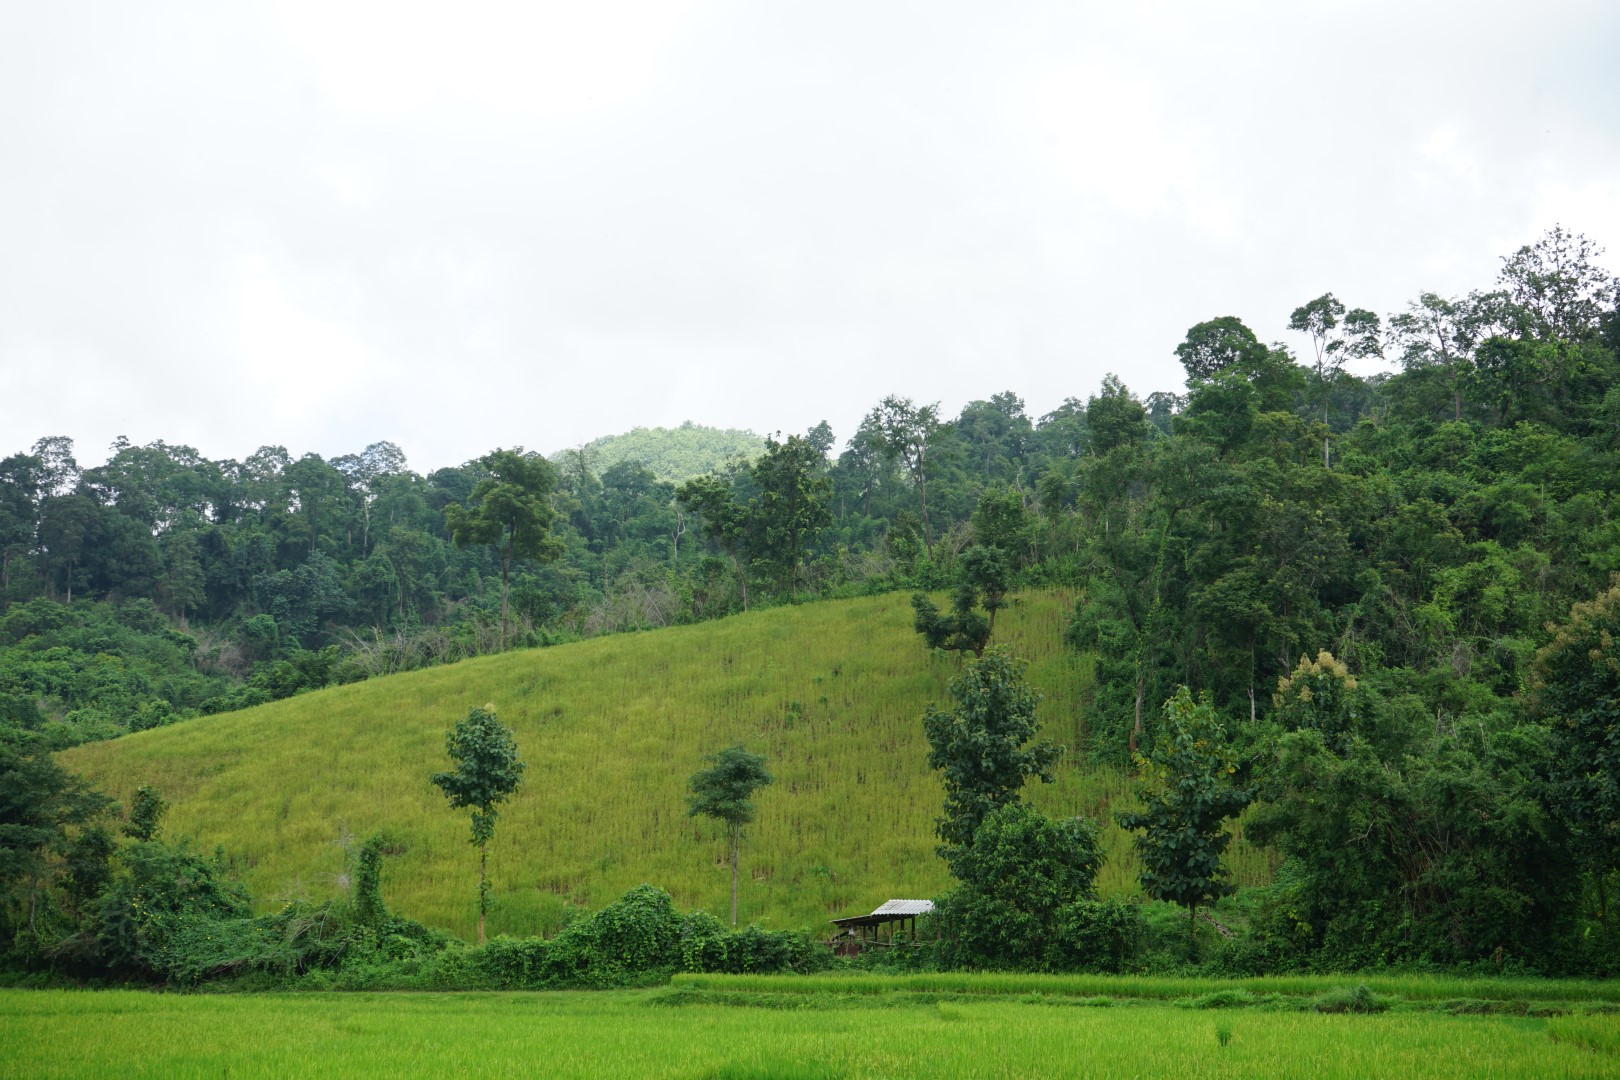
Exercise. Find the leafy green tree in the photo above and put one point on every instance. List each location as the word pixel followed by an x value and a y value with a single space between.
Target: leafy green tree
pixel 1435 334
pixel 995 439
pixel 792 507
pixel 488 770
pixel 301 599
pixel 162 902
pixel 1442 853
pixel 67 531
pixel 1338 336
pixel 367 472
pixel 20 479
pixel 322 496
pixel 1002 521
pixel 1319 694
pixel 1016 878
pixel 725 520
pixel 724 792
pixel 905 432
pixel 182 586
pixel 1556 287
pixel 1576 688
pixel 41 805
pixel 986 569
pixel 509 510
pixel 985 578
pixel 1218 344
pixel 1115 418
pixel 980 746
pixel 962 630
pixel 146 811
pixel 1187 791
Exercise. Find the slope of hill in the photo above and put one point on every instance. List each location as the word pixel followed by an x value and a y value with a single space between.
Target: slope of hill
pixel 672 454
pixel 832 693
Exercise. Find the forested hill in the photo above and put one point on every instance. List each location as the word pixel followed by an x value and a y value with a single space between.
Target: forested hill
pixel 674 455
pixel 1425 524
pixel 1391 597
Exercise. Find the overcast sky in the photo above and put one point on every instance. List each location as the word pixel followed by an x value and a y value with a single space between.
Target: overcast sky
pixel 321 224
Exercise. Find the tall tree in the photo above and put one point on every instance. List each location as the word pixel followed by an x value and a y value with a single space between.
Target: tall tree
pixel 1338 336
pixel 725 792
pixel 366 471
pixel 1556 286
pixel 509 509
pixel 725 520
pixel 182 583
pixel 20 481
pixel 40 803
pixel 1218 344
pixel 1187 793
pixel 793 503
pixel 1576 689
pixel 1438 334
pixel 980 746
pixel 487 772
pixel 907 432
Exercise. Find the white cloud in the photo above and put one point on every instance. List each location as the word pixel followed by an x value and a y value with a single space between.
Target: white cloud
pixel 551 58
pixel 302 365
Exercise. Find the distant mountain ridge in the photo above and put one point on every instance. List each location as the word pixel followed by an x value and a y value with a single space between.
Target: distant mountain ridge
pixel 672 454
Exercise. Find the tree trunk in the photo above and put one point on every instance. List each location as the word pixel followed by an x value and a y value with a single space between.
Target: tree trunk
pixel 506 566
pixel 922 497
pixel 1141 686
pixel 483 888
pixel 736 846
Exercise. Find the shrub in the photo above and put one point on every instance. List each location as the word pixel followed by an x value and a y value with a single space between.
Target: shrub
pixel 1100 935
pixel 1018 875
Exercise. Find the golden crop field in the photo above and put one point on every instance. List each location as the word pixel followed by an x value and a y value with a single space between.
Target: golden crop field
pixel 611 729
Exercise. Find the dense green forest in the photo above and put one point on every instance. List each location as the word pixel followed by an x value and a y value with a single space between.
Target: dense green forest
pixel 1391 599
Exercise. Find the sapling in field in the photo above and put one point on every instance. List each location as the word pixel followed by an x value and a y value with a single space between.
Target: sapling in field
pixel 723 792
pixel 487 772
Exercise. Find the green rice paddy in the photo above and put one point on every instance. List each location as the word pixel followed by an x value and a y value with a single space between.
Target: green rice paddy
pixel 635 1034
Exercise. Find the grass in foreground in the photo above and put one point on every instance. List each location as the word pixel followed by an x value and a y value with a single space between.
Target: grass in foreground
pixel 44 1033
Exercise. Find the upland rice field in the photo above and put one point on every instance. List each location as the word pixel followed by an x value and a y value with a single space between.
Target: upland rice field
pixel 628 1034
pixel 612 728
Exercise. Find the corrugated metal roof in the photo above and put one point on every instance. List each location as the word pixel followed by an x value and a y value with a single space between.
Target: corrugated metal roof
pixel 905 907
pixel 893 911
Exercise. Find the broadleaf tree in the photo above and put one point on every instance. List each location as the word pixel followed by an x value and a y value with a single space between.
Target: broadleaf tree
pixel 1188 792
pixel 510 510
pixel 724 792
pixel 487 771
pixel 793 505
pixel 1576 688
pixel 982 746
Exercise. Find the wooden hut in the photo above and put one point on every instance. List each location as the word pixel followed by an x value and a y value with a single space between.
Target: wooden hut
pixel 884 928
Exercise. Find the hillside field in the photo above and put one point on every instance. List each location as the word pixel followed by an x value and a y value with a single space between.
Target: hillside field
pixel 611 729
